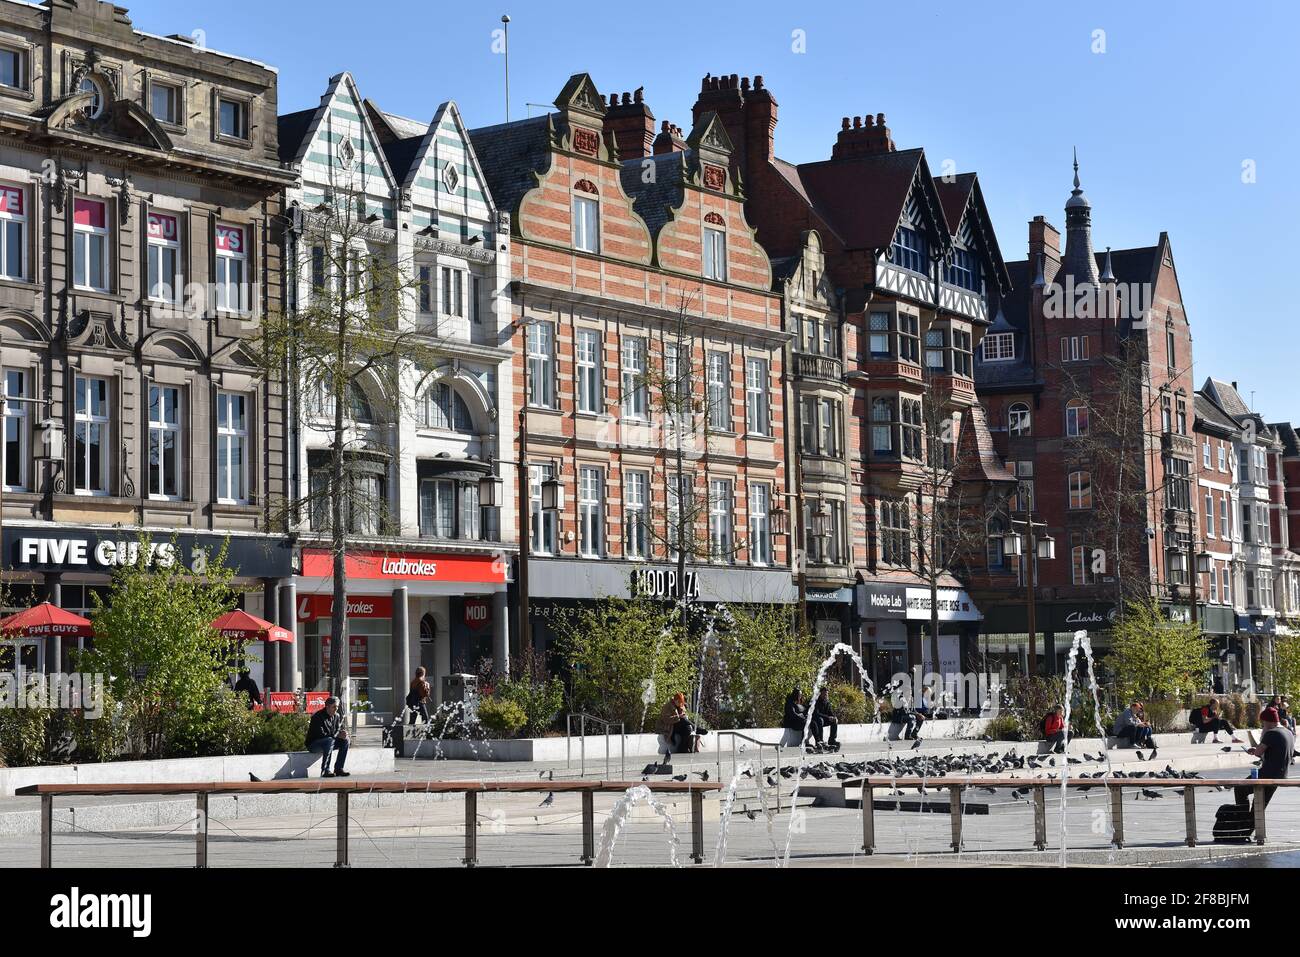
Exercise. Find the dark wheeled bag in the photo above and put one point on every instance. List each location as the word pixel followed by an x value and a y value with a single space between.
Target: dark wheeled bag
pixel 1233 823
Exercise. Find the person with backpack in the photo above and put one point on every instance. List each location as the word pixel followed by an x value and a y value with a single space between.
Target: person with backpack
pixel 417 696
pixel 1208 720
pixel 1054 729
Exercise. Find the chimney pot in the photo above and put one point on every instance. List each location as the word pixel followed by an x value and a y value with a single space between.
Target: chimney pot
pixel 639 95
pixel 866 121
pixel 758 81
pixel 857 122
pixel 880 119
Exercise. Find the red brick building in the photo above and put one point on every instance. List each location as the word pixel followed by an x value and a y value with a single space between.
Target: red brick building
pixel 644 319
pixel 1086 376
pixel 915 266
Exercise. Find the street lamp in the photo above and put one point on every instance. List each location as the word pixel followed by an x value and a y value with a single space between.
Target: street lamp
pixel 1044 547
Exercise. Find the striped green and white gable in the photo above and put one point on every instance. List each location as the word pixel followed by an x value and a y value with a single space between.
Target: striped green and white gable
pixel 446 176
pixel 324 160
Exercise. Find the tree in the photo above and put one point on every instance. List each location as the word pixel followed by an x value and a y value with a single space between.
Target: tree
pixel 763 661
pixel 155 643
pixel 1281 669
pixel 1154 658
pixel 341 345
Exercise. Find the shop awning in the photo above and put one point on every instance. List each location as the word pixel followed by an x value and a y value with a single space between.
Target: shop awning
pixel 239 625
pixel 46 621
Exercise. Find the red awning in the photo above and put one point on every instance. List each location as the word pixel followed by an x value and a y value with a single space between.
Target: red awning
pixel 239 625
pixel 46 621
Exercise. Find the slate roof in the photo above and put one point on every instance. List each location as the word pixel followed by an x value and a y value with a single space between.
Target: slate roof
pixel 1209 413
pixel 984 464
pixel 860 197
pixel 654 201
pixel 1228 398
pixel 401 154
pixel 292 128
pixel 508 154
pixel 954 197
pixel 1287 434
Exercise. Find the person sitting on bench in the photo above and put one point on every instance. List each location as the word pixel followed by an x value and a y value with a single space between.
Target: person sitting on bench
pixel 794 717
pixel 1131 726
pixel 326 734
pixel 1208 720
pixel 1275 749
pixel 824 717
pixel 676 726
pixel 1054 729
pixel 911 719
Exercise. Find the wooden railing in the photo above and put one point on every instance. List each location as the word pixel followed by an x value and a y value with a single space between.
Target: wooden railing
pixel 344 789
pixel 1116 786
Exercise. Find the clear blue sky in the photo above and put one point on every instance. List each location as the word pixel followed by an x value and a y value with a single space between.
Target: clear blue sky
pixel 1184 93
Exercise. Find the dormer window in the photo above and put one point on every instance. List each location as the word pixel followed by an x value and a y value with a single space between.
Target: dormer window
pixel 999 347
pixel 910 250
pixel 232 118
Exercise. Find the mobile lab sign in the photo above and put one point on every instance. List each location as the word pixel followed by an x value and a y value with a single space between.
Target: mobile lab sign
pixel 62 548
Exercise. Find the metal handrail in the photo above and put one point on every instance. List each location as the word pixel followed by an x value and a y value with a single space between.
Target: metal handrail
pixel 733 735
pixel 583 718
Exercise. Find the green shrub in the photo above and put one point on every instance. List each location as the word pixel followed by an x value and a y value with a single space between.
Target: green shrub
pixel 1028 699
pixel 540 699
pixel 1164 714
pixel 501 717
pixel 1004 727
pixel 276 732
pixel 849 702
pixel 218 726
pixel 1082 721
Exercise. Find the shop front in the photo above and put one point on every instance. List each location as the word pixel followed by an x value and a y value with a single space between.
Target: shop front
pixel 895 620
pixel 67 565
pixel 559 588
pixel 445 611
pixel 1004 643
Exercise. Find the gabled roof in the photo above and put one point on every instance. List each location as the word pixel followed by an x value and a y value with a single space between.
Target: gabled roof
pixel 1226 397
pixel 862 198
pixel 1013 310
pixel 1290 440
pixel 655 201
pixel 961 195
pixel 1209 417
pixel 981 461
pixel 293 129
pixel 953 195
pixel 511 155
pixel 341 84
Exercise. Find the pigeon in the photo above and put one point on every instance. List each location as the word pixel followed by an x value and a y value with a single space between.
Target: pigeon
pixel 1225 750
pixel 1151 793
pixel 986 739
pixel 747 773
pixel 254 778
pixel 750 813
pixel 541 774
pixel 1154 752
pixel 1141 756
pixel 704 775
pixel 916 744
pixel 548 800
pixel 771 781
pixel 679 777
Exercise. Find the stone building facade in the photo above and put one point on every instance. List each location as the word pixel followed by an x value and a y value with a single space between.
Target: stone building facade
pixel 139 178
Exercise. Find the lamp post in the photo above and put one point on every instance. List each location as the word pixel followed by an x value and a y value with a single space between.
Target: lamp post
pixel 821 534
pixel 1045 548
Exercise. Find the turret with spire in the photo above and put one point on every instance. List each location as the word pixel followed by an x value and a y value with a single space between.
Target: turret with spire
pixel 1079 260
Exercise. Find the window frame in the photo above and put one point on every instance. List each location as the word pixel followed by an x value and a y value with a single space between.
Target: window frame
pixel 588 347
pixel 223 260
pixel 539 350
pixel 244 104
pixel 235 437
pixel 634 354
pixel 1079 484
pixel 720 417
pixel 758 399
pixel 16 413
pixel 636 499
pixel 760 527
pixel 84 238
pixel 84 418
pixel 722 510
pixel 715 253
pixel 161 246
pixel 591 511
pixel 586 228
pixel 158 429
pixel 1009 338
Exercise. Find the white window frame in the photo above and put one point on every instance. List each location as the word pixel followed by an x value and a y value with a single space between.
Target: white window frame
pixel 543 526
pixel 1074 348
pixel 1072 409
pixel 16 413
pixel 226 260
pixel 1205 454
pixel 177 101
pixel 719 391
pixel 159 430
pixel 588 347
pixel 86 420
pixel 1209 514
pixel 86 239
pixel 591 512
pixel 162 247
pixel 715 253
pixel 1225 517
pixel 721 520
pixel 1003 347
pixel 424 291
pixel 586 223
pixel 21 69
pixel 1077 486
pixel 1020 420
pixel 760 538
pixel 541 365
pixel 758 403
pixel 13 229
pixel 452 299
pixel 234 490
pixel 636 495
pixel 244 131
pixel 633 378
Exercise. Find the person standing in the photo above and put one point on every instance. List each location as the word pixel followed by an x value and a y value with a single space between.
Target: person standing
pixel 1275 750
pixel 327 735
pixel 246 685
pixel 417 696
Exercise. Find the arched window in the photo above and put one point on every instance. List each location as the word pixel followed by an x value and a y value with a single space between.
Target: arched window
pixel 428 630
pixel 1018 421
pixel 445 409
pixel 1081 489
pixel 1076 417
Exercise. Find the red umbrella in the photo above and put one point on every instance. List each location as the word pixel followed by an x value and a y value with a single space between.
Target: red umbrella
pixel 239 625
pixel 46 621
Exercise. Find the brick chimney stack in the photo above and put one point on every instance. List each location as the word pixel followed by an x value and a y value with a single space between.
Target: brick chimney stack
pixel 630 124
pixel 1045 241
pixel 669 140
pixel 725 95
pixel 863 136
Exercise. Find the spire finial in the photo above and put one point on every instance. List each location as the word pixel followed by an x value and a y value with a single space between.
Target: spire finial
pixel 1076 167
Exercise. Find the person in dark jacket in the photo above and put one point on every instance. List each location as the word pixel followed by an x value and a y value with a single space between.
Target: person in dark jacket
pixel 1209 720
pixel 417 696
pixel 1275 750
pixel 1054 729
pixel 824 717
pixel 795 717
pixel 246 685
pixel 327 735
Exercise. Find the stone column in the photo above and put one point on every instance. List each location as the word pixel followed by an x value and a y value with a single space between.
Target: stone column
pixel 289 649
pixel 270 649
pixel 501 633
pixel 54 644
pixel 401 653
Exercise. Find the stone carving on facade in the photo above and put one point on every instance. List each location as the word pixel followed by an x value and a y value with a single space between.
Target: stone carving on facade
pixel 122 186
pixel 128 484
